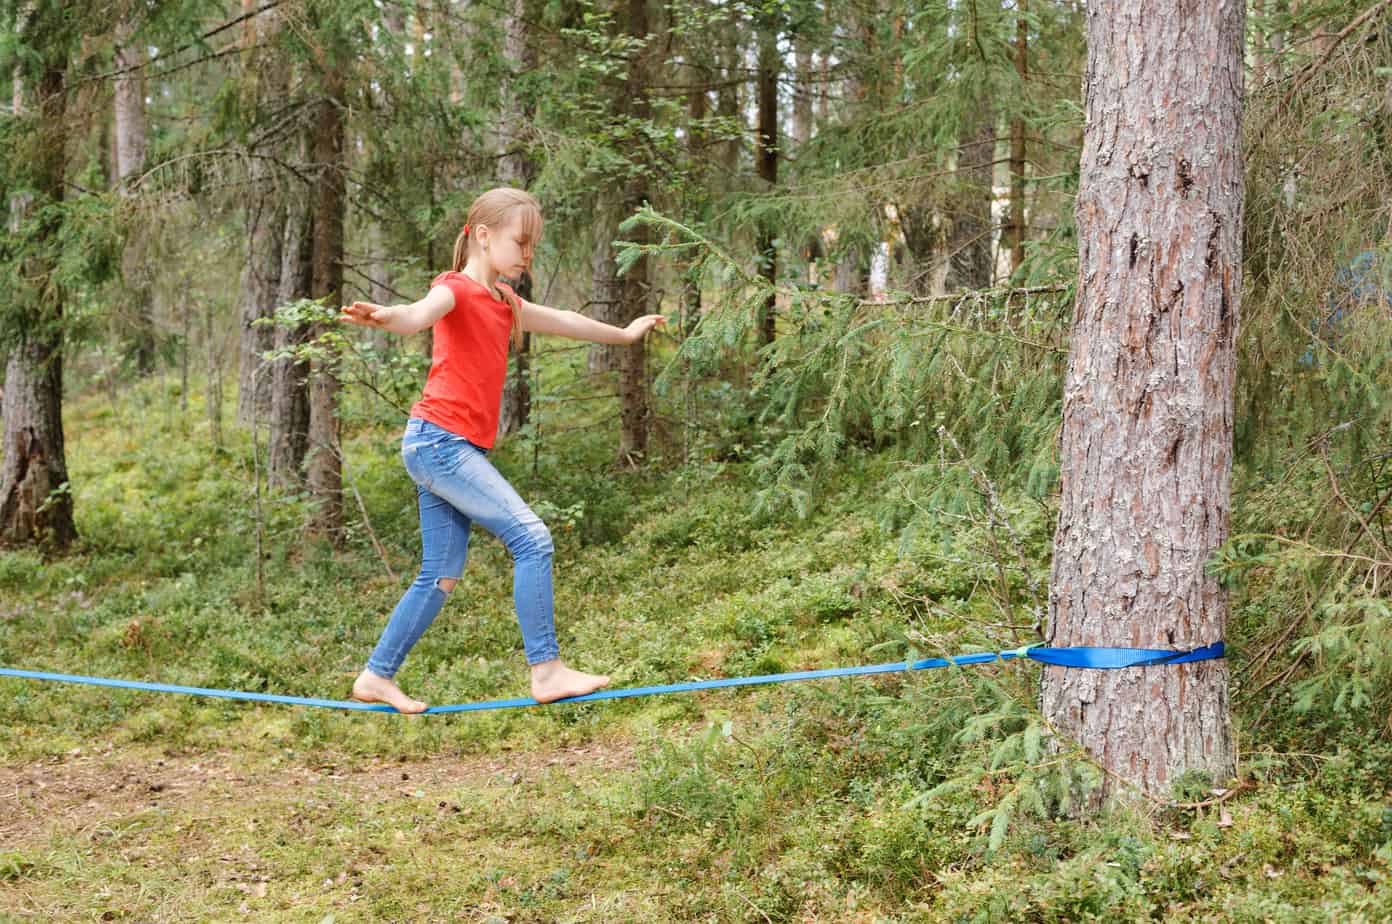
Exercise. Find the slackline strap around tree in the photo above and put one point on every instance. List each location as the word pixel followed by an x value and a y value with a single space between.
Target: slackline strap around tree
pixel 1091 658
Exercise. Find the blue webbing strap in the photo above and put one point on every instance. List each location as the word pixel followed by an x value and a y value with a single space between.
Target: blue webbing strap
pixel 1094 658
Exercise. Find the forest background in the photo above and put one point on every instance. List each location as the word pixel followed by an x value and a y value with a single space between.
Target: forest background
pixel 859 218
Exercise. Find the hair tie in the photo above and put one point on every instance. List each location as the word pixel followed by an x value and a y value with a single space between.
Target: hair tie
pixel 466 230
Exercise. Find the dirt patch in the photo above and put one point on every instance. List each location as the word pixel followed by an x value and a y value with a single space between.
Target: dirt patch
pixel 83 791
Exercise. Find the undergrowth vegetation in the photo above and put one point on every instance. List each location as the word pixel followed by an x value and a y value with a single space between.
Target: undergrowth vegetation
pixel 931 796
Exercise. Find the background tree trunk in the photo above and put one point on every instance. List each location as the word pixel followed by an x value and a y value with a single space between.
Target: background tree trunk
pixel 36 505
pixel 1013 235
pixel 635 289
pixel 803 90
pixel 129 111
pixel 516 168
pixel 1146 443
pixel 969 243
pixel 727 97
pixel 289 388
pixel 324 472
pixel 612 299
pixel 697 105
pixel 267 72
pixel 769 61
pixel 606 289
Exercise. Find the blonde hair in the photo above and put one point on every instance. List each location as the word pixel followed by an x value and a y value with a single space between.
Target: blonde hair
pixel 496 209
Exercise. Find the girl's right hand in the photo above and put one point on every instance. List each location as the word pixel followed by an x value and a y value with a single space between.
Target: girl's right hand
pixel 639 327
pixel 366 314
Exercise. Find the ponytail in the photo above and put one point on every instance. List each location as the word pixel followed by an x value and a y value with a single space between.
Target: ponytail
pixel 461 249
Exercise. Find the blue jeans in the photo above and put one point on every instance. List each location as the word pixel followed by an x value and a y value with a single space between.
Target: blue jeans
pixel 457 486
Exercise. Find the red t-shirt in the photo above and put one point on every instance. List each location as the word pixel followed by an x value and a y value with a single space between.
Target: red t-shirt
pixel 468 363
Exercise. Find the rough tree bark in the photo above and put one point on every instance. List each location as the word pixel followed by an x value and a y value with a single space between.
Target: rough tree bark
pixel 36 506
pixel 1146 444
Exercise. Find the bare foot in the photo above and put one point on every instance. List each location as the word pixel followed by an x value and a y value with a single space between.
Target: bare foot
pixel 552 680
pixel 370 688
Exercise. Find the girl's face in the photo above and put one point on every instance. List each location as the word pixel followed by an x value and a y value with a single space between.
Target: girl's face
pixel 509 248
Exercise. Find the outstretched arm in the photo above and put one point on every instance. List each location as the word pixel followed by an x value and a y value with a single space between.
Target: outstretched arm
pixel 542 320
pixel 402 319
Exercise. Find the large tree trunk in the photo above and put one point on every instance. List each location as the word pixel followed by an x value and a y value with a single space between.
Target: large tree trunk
pixel 1146 444
pixel 35 500
pixel 324 470
pixel 267 69
pixel 129 106
pixel 515 167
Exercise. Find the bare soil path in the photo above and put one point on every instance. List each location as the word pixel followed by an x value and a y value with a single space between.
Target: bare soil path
pixel 84 788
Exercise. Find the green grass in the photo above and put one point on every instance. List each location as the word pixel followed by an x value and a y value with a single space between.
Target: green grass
pixel 791 803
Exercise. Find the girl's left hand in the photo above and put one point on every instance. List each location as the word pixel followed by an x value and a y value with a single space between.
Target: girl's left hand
pixel 639 327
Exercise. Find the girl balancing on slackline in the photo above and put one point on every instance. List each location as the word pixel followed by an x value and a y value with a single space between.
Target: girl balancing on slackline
pixel 453 426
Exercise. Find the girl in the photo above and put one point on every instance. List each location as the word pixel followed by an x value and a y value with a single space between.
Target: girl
pixel 454 425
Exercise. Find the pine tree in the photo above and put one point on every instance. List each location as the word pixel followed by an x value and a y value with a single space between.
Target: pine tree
pixel 1146 445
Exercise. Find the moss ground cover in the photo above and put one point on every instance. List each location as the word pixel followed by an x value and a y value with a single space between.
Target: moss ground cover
pixel 865 800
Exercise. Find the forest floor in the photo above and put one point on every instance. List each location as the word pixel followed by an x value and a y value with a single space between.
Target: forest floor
pixel 896 798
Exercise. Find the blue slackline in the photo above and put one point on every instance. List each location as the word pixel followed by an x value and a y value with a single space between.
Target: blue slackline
pixel 1094 658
